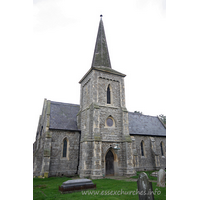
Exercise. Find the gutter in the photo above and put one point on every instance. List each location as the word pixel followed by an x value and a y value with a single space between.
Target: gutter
pixel 133 134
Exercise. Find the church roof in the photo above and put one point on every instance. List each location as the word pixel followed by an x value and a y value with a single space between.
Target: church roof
pixel 145 125
pixel 63 116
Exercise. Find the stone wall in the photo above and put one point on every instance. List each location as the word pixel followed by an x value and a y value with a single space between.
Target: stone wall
pixel 152 158
pixel 47 155
pixel 111 133
pixel 103 83
pixel 119 159
pixel 38 153
pixel 95 133
pixel 59 165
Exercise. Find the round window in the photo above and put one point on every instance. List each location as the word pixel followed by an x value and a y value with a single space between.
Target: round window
pixel 109 122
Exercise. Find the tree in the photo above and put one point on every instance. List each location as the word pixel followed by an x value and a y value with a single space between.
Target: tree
pixel 138 112
pixel 163 118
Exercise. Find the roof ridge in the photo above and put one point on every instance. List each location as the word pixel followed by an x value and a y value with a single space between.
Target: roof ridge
pixel 141 114
pixel 72 104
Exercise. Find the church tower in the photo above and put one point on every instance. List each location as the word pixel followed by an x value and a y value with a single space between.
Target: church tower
pixel 105 144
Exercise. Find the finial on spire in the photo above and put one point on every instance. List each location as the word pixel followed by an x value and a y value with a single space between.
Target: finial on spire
pixel 101 15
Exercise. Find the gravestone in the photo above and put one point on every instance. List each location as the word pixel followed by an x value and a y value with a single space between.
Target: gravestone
pixel 145 190
pixel 155 174
pixel 161 178
pixel 76 185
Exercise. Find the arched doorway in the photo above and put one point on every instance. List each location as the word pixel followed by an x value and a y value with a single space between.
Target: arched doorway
pixel 110 163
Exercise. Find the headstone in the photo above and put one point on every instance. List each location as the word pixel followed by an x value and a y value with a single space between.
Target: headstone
pixel 76 185
pixel 161 178
pixel 145 190
pixel 155 174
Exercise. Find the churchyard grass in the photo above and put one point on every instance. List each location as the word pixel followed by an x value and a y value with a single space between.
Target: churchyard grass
pixel 47 188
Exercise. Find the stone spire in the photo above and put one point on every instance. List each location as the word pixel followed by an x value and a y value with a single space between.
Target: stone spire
pixel 101 56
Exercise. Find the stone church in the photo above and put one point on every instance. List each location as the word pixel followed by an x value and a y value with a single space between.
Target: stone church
pixel 100 136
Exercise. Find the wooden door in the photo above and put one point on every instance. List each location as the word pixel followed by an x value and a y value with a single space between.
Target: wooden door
pixel 109 163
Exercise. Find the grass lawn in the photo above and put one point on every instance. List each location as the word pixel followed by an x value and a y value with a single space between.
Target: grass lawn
pixel 47 188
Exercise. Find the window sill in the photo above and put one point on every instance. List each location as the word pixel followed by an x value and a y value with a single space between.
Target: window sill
pixel 63 158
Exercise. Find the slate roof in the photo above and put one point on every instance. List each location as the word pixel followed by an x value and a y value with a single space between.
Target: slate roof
pixel 145 125
pixel 63 116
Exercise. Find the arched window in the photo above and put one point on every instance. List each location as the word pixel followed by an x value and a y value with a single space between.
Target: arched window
pixel 108 95
pixel 142 148
pixel 161 148
pixel 65 147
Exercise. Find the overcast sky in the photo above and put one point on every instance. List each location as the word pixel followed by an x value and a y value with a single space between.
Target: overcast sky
pixel 64 35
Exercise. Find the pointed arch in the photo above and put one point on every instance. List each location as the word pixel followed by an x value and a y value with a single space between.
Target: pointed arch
pixel 107 149
pixel 112 150
pixel 142 148
pixel 109 163
pixel 65 147
pixel 108 94
pixel 161 148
